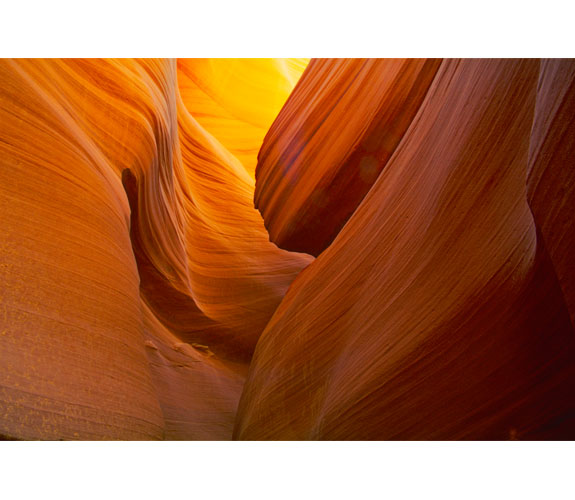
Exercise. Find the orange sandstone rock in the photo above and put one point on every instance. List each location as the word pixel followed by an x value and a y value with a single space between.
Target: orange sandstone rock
pixel 136 276
pixel 435 313
pixel 72 358
pixel 127 228
pixel 330 142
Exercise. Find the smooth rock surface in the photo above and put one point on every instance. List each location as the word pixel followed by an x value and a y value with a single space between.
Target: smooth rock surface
pixel 330 142
pixel 136 273
pixel 435 313
pixel 141 296
pixel 551 179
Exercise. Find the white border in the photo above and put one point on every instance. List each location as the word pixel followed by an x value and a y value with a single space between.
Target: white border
pixel 165 28
pixel 294 28
pixel 280 470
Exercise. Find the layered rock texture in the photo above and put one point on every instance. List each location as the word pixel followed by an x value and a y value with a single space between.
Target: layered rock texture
pixel 143 296
pixel 322 155
pixel 136 273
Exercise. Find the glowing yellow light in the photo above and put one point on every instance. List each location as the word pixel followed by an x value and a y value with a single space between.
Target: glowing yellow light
pixel 236 100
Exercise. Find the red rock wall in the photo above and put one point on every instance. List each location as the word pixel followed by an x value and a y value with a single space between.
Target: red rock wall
pixel 551 173
pixel 332 138
pixel 435 313
pixel 141 296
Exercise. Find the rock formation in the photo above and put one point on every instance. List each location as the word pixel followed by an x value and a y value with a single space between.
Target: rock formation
pixel 136 274
pixel 367 105
pixel 142 294
pixel 436 313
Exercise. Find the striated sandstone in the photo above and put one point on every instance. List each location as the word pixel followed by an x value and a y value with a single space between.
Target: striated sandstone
pixel 142 297
pixel 435 313
pixel 331 140
pixel 126 226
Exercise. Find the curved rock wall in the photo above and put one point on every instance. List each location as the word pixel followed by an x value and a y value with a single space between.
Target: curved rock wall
pixel 436 312
pixel 141 295
pixel 127 229
pixel 551 173
pixel 330 142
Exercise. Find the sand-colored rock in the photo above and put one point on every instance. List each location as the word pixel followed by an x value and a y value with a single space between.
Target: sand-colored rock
pixel 237 277
pixel 126 224
pixel 72 357
pixel 435 313
pixel 198 393
pixel 137 277
pixel 332 139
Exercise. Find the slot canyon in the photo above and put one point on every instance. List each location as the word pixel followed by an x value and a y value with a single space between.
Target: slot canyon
pixel 287 249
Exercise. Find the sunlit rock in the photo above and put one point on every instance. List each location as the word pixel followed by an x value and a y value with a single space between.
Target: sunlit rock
pixel 436 312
